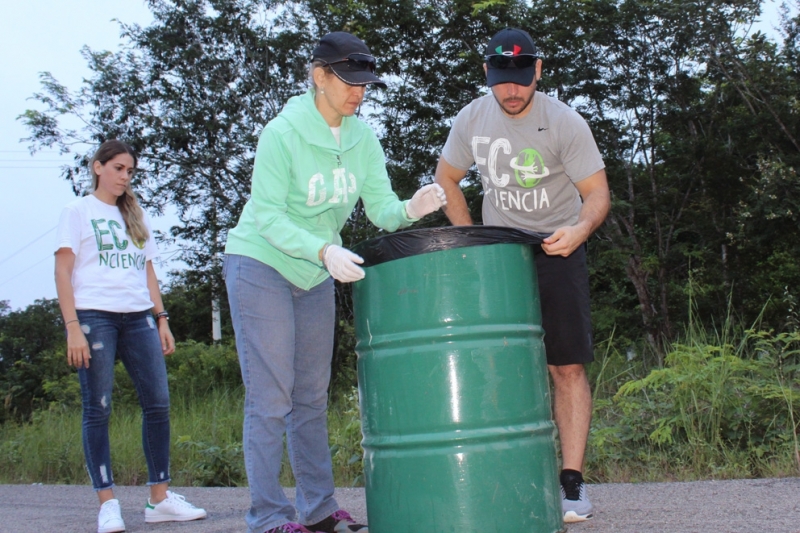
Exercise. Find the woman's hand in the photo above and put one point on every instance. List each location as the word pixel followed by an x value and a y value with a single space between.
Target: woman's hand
pixel 426 200
pixel 167 340
pixel 78 353
pixel 342 264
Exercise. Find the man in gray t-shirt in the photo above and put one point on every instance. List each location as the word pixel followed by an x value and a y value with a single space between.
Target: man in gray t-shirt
pixel 541 170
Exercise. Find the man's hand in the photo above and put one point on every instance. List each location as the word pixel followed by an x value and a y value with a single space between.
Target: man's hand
pixel 596 203
pixel 565 240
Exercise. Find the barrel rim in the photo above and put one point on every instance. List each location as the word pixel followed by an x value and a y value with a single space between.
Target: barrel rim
pixel 409 243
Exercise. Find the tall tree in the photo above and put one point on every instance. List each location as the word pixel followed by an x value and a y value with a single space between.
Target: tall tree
pixel 756 85
pixel 697 123
pixel 191 92
pixel 638 72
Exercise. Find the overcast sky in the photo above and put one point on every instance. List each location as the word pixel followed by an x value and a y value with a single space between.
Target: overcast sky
pixel 47 35
pixel 37 36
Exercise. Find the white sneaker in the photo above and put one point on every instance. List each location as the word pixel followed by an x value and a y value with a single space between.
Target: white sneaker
pixel 109 520
pixel 174 508
pixel 575 503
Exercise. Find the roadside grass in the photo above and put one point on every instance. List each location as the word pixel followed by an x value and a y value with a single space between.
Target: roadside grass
pixel 724 404
pixel 49 448
pixel 206 434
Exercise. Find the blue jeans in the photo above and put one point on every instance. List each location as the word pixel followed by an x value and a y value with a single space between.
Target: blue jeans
pixel 284 337
pixel 133 337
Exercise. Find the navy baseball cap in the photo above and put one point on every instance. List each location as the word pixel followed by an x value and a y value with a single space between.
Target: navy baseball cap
pixel 348 57
pixel 511 58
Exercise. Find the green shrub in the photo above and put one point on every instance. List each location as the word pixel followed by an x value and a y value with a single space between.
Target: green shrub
pixel 344 436
pixel 195 369
pixel 213 465
pixel 723 405
pixel 714 410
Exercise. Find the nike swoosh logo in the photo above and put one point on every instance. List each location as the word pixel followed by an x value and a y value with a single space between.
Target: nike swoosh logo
pixel 542 129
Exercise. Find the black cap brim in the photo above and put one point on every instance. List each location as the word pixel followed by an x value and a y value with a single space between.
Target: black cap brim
pixel 520 76
pixel 356 77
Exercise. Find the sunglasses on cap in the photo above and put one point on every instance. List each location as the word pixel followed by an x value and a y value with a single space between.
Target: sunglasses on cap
pixel 519 61
pixel 356 62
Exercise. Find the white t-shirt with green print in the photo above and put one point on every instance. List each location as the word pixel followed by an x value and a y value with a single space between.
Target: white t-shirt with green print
pixel 110 269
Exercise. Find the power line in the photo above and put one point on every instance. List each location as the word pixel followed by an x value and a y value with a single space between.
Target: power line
pixel 167 257
pixel 30 243
pixel 161 263
pixel 26 270
pixel 27 152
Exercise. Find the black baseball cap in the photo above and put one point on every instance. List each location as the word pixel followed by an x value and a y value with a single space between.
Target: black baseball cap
pixel 348 57
pixel 511 58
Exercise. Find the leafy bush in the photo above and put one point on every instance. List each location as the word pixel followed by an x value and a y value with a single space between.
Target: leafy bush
pixel 214 465
pixel 724 404
pixel 344 376
pixel 344 436
pixel 32 352
pixel 714 410
pixel 195 369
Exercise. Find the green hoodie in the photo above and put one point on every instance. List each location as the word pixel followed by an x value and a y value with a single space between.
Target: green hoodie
pixel 305 187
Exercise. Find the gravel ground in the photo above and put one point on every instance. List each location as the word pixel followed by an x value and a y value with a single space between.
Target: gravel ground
pixel 738 506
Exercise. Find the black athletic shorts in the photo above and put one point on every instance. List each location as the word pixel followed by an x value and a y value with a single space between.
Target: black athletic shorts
pixel 566 319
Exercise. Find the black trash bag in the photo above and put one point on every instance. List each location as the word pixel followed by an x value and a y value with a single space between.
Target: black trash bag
pixel 422 241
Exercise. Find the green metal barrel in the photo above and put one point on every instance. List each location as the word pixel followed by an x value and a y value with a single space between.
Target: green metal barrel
pixel 454 396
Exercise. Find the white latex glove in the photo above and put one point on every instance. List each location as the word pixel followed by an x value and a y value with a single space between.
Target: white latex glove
pixel 426 200
pixel 341 264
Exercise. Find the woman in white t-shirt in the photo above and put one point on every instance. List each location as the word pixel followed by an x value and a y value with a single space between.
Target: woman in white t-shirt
pixel 112 308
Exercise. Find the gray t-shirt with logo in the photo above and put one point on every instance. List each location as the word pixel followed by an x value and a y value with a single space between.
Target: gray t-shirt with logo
pixel 528 165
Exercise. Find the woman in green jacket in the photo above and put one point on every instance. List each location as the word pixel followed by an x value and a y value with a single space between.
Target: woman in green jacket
pixel 313 162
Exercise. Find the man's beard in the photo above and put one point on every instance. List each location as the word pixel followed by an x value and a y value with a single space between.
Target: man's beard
pixel 520 110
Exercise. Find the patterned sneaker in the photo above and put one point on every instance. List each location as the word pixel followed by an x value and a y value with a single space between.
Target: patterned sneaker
pixel 290 527
pixel 174 508
pixel 574 502
pixel 109 520
pixel 338 522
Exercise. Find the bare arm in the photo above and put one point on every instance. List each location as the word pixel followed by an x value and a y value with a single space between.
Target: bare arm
pixel 596 203
pixel 167 340
pixel 78 353
pixel 449 178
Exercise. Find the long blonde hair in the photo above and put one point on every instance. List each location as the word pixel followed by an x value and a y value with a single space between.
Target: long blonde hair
pixel 127 203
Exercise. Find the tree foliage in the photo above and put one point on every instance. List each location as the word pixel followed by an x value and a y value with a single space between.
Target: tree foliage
pixel 190 317
pixel 191 93
pixel 32 351
pixel 697 118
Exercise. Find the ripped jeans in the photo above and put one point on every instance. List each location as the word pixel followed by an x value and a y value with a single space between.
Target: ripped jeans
pixel 133 337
